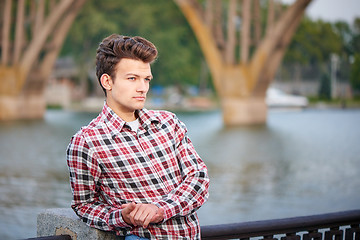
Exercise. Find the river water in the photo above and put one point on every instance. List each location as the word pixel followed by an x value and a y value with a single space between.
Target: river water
pixel 299 163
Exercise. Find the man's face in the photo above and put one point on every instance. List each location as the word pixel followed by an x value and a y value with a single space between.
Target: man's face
pixel 129 88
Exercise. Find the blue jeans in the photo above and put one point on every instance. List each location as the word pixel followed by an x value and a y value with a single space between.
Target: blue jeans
pixel 133 237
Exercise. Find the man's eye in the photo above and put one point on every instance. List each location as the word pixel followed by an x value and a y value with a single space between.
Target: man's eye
pixel 131 78
pixel 148 79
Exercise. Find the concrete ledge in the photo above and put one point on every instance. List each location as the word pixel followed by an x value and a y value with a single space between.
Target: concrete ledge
pixel 62 221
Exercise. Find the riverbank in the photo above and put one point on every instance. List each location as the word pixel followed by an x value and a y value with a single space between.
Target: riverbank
pixel 337 103
pixel 189 104
pixel 198 104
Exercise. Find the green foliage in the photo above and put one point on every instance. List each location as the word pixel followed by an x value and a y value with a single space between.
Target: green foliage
pixel 355 41
pixel 313 43
pixel 159 21
pixel 344 31
pixel 355 75
pixel 325 87
pixel 355 66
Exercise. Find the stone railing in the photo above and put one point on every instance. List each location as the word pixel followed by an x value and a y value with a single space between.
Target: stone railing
pixel 64 221
pixel 331 226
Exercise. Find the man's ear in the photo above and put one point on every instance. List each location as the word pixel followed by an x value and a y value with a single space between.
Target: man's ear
pixel 106 81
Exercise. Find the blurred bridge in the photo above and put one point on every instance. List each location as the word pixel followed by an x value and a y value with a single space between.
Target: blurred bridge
pixel 30 43
pixel 241 80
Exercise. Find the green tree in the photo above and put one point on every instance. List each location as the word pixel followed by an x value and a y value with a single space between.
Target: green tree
pixel 355 67
pixel 325 87
pixel 313 43
pixel 344 30
pixel 355 75
pixel 355 41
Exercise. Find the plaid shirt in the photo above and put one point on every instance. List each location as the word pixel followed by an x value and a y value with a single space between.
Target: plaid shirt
pixel 111 165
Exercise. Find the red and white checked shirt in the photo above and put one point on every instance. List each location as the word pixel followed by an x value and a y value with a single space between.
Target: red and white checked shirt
pixel 111 165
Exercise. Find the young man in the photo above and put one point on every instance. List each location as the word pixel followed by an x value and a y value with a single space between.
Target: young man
pixel 135 171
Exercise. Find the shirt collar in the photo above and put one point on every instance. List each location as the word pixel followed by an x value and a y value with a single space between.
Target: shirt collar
pixel 112 120
pixel 116 123
pixel 146 117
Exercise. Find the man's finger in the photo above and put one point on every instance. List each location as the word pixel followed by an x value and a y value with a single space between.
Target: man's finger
pixel 126 212
pixel 147 215
pixel 159 216
pixel 140 214
pixel 128 207
pixel 124 205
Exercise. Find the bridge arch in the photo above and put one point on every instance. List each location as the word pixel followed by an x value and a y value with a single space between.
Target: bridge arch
pixel 240 82
pixel 39 29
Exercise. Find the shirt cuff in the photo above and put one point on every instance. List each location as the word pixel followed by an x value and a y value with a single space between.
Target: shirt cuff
pixel 169 208
pixel 116 220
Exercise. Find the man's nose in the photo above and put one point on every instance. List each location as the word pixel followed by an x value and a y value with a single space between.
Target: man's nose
pixel 142 86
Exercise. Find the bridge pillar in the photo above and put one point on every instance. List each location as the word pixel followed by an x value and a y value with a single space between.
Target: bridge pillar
pixel 22 106
pixel 244 111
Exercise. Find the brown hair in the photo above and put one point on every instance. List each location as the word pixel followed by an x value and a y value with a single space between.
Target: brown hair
pixel 115 47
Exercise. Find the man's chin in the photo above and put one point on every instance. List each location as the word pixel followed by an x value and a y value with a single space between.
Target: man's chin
pixel 139 106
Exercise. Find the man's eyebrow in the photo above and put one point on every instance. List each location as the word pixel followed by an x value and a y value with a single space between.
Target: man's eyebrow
pixel 137 75
pixel 133 74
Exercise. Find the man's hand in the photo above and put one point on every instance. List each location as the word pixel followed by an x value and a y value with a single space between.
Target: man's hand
pixel 126 210
pixel 141 214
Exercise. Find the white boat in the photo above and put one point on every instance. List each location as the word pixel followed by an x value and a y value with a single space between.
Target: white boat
pixel 277 98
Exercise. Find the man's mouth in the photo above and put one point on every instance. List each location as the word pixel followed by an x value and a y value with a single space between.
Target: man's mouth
pixel 140 98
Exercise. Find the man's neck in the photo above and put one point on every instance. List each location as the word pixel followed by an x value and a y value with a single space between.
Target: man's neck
pixel 127 116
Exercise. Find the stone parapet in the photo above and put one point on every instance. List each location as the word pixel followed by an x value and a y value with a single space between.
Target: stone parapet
pixel 63 221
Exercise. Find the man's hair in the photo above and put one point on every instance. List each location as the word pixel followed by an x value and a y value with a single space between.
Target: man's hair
pixel 116 47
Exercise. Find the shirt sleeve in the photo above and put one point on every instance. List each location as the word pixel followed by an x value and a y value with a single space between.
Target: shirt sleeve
pixel 192 193
pixel 84 180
